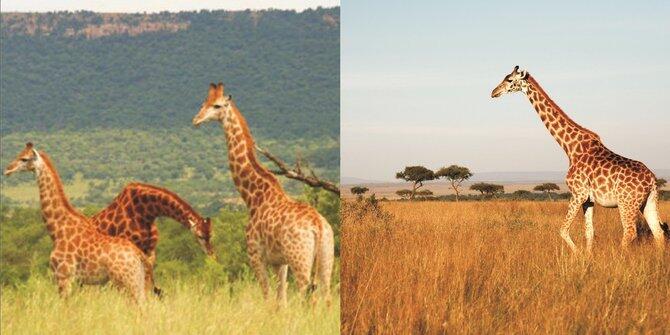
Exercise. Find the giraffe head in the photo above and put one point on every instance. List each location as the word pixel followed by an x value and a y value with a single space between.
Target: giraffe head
pixel 216 106
pixel 202 229
pixel 27 160
pixel 513 82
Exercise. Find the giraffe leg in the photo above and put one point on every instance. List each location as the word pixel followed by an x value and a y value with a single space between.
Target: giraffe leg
pixel 259 267
pixel 301 263
pixel 130 276
pixel 63 273
pixel 151 258
pixel 282 274
pixel 629 214
pixel 573 209
pixel 64 286
pixel 588 221
pixel 653 219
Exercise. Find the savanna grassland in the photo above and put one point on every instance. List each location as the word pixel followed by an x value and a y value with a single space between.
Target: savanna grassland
pixel 495 267
pixel 192 307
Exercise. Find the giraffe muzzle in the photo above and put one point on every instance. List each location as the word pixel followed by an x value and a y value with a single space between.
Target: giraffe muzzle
pixel 496 93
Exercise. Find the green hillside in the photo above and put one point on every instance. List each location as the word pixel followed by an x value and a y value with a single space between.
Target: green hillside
pixel 282 67
pixel 111 96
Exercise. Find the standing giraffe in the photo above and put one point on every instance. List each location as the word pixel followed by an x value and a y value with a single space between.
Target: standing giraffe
pixel 596 174
pixel 80 251
pixel 133 212
pixel 281 231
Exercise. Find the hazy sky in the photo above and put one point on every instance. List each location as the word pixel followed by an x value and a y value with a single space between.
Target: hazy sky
pixel 125 6
pixel 417 79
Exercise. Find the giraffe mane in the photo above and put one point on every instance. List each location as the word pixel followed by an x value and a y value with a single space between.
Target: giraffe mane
pixel 558 109
pixel 61 193
pixel 173 196
pixel 251 153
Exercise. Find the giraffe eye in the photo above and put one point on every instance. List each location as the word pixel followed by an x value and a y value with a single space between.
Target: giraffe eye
pixel 217 106
pixel 509 80
pixel 24 159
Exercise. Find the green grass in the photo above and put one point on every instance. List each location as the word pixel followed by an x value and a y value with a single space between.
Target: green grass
pixel 27 193
pixel 189 307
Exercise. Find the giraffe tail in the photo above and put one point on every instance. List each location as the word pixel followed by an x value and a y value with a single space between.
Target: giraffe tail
pixel 653 217
pixel 323 258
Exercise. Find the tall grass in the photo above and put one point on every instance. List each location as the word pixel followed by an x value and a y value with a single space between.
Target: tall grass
pixel 496 267
pixel 189 307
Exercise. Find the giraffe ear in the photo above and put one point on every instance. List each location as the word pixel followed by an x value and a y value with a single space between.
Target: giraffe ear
pixel 219 88
pixel 36 154
pixel 524 74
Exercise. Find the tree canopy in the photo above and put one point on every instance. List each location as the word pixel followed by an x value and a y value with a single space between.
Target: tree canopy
pixel 455 175
pixel 546 188
pixel 488 189
pixel 417 175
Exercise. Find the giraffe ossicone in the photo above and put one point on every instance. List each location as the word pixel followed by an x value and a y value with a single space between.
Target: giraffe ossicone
pixel 595 174
pixel 281 232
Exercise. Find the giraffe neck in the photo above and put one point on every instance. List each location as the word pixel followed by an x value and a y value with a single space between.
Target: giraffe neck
pixel 573 138
pixel 255 183
pixel 158 202
pixel 56 208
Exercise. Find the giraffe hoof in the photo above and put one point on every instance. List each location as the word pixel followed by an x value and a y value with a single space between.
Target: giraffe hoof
pixel 158 292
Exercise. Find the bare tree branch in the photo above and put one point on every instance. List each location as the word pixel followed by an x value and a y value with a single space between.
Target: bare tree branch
pixel 297 173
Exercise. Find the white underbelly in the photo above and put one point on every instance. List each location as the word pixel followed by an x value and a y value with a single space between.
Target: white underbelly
pixel 608 201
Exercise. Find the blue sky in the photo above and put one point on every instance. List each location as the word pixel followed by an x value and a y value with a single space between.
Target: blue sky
pixel 417 78
pixel 125 6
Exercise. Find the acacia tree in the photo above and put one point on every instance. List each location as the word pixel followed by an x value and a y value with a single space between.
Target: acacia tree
pixel 660 183
pixel 455 175
pixel 546 188
pixel 359 191
pixel 417 175
pixel 522 194
pixel 424 193
pixel 404 194
pixel 488 189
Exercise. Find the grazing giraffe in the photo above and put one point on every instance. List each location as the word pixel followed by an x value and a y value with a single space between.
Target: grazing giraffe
pixel 596 174
pixel 80 251
pixel 281 231
pixel 133 212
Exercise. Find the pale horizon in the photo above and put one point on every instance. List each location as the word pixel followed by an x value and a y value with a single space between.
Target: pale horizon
pixel 418 93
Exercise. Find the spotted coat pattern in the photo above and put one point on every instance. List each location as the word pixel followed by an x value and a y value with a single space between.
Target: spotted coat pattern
pixel 80 252
pixel 596 174
pixel 132 215
pixel 133 212
pixel 281 232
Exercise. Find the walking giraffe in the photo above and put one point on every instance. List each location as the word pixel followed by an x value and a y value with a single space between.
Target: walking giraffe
pixel 281 231
pixel 596 174
pixel 133 212
pixel 80 251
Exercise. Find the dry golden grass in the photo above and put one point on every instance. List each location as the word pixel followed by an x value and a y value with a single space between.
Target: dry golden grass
pixel 496 267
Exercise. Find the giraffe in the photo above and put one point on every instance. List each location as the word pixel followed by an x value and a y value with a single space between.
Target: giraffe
pixel 133 212
pixel 81 252
pixel 281 232
pixel 596 174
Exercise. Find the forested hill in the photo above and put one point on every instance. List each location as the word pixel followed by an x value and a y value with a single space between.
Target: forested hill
pixel 111 97
pixel 83 70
